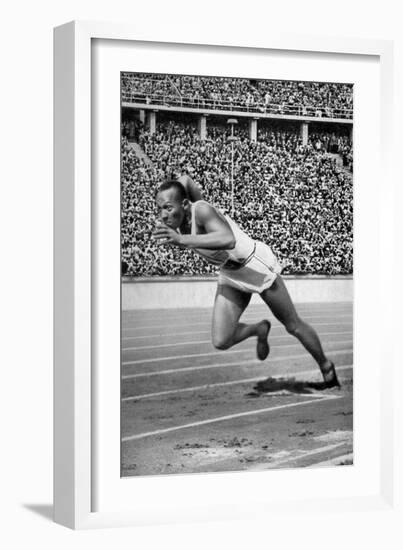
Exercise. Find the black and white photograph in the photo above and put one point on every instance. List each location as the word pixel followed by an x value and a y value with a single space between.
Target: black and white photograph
pixel 204 353
pixel 237 274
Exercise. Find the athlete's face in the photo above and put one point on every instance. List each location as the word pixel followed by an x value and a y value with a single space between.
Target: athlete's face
pixel 171 209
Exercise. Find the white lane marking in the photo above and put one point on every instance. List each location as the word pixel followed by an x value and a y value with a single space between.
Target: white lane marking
pixel 249 363
pixel 207 354
pixel 166 334
pixel 333 461
pixel 244 318
pixel 226 417
pixel 255 306
pixel 296 458
pixel 231 383
pixel 144 336
pixel 145 314
pixel 170 345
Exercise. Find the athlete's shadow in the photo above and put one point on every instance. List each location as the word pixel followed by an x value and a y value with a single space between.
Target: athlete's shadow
pixel 286 385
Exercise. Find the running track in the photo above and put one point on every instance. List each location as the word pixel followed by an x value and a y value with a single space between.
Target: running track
pixel 187 407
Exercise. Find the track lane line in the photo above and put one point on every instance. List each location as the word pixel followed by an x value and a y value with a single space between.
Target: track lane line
pixel 170 345
pixel 207 354
pixel 252 362
pixel 332 461
pixel 226 417
pixel 231 383
pixel 243 318
pixel 252 306
pixel 293 459
pixel 209 331
pixel 207 311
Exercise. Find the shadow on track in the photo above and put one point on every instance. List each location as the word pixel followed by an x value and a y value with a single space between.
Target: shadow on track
pixel 286 385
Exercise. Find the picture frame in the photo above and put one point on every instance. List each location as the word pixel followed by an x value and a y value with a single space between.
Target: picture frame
pixel 78 418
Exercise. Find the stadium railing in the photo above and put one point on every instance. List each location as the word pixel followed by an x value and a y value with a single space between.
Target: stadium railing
pixel 226 105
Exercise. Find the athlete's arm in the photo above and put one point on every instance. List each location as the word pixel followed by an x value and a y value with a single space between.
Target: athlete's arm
pixel 218 234
pixel 193 190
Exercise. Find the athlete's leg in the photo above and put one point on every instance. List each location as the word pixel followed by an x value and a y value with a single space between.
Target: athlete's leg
pixel 227 331
pixel 280 303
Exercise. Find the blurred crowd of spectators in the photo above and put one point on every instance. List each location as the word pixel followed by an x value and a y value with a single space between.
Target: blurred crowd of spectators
pixel 298 199
pixel 319 99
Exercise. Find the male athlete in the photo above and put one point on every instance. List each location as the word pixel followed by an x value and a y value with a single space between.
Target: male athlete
pixel 246 266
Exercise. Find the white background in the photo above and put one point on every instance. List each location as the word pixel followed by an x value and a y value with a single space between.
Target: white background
pixel 26 286
pixel 115 493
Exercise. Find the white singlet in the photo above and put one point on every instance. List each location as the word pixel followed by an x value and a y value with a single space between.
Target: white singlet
pixel 250 266
pixel 243 249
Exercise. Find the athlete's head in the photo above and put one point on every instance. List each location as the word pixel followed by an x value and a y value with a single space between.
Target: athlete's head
pixel 172 203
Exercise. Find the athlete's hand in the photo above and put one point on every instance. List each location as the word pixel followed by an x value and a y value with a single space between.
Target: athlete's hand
pixel 166 235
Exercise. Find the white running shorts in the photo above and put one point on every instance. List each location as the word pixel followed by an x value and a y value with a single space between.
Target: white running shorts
pixel 257 275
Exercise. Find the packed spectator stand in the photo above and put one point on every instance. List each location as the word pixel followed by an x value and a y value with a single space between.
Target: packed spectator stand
pixel 278 97
pixel 297 198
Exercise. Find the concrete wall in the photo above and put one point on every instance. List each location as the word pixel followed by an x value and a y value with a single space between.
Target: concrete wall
pixel 173 293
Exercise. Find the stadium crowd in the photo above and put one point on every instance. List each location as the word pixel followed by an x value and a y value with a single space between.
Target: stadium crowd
pixel 296 198
pixel 319 99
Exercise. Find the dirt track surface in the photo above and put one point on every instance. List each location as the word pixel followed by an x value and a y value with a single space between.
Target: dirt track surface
pixel 187 407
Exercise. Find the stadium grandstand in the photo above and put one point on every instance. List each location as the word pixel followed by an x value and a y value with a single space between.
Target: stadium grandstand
pixel 276 97
pixel 285 179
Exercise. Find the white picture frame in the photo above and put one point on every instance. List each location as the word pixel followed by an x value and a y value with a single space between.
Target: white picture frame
pixel 76 419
